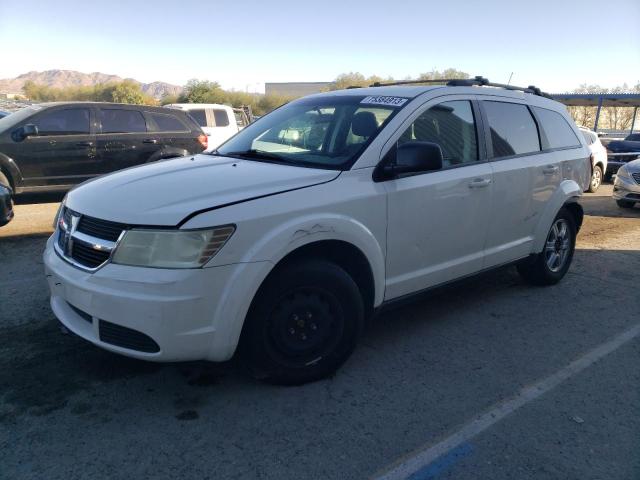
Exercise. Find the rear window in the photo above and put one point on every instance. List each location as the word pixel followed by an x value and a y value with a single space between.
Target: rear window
pixel 122 121
pixel 557 130
pixel 200 116
pixel 71 121
pixel 513 130
pixel 221 118
pixel 167 123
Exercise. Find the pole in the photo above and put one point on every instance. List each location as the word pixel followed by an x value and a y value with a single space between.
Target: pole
pixel 633 122
pixel 595 126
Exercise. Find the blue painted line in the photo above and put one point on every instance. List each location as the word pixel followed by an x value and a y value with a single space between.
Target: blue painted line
pixel 435 468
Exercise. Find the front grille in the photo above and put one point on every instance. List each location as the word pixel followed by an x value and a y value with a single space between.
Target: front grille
pixel 85 255
pixel 636 177
pixel 100 228
pixel 127 338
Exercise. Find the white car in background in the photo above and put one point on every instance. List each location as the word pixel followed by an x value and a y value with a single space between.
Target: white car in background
pixel 218 122
pixel 598 158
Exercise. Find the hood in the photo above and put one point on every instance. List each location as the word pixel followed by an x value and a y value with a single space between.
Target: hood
pixel 165 192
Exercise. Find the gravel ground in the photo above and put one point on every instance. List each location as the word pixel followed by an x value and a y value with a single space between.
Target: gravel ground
pixel 70 410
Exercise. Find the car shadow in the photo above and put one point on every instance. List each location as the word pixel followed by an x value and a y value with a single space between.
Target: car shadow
pixel 431 337
pixel 605 206
pixel 35 198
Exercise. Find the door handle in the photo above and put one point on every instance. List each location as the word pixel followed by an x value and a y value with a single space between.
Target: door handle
pixel 150 140
pixel 550 170
pixel 480 183
pixel 84 144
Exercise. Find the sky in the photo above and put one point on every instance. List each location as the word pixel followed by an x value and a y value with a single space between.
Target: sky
pixel 556 45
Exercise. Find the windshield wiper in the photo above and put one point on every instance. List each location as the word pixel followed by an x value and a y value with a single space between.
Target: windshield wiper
pixel 254 154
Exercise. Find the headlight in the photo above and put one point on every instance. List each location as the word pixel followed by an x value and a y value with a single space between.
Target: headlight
pixel 171 248
pixel 56 219
pixel 622 172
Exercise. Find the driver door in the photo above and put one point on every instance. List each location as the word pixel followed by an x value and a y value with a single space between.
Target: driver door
pixel 437 220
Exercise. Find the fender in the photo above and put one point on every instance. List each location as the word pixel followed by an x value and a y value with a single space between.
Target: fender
pixel 11 170
pixel 569 190
pixel 261 259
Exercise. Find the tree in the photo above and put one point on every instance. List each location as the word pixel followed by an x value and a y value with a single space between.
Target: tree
pixel 202 91
pixel 127 92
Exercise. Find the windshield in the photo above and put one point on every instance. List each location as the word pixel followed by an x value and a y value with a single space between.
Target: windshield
pixel 323 132
pixel 17 117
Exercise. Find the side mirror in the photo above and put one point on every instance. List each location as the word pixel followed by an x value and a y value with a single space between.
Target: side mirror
pixel 28 130
pixel 415 157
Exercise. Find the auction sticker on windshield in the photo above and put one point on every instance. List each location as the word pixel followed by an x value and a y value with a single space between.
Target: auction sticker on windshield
pixel 390 101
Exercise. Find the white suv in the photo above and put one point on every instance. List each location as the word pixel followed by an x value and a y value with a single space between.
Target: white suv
pixel 292 234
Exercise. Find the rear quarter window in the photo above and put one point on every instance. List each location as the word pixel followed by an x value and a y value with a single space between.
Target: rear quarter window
pixel 557 130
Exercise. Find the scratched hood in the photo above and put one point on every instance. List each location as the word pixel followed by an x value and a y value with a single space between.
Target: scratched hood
pixel 164 193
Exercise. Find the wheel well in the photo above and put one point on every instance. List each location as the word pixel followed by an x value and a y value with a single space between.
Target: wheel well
pixel 345 255
pixel 601 165
pixel 576 210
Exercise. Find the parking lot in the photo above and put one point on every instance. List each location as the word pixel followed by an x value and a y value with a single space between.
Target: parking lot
pixel 423 374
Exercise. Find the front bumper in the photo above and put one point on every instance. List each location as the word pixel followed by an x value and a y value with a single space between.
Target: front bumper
pixel 185 312
pixel 626 189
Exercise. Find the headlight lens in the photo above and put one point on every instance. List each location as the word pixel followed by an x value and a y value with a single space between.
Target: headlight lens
pixel 56 219
pixel 622 172
pixel 171 248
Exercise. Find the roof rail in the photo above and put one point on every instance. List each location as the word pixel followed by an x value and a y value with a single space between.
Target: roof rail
pixel 478 81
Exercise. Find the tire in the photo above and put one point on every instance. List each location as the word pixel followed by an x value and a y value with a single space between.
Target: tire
pixel 303 323
pixel 596 179
pixel 550 266
pixel 625 203
pixel 4 181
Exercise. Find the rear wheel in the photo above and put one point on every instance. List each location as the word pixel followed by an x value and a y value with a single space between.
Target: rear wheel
pixel 625 203
pixel 549 266
pixel 596 179
pixel 303 324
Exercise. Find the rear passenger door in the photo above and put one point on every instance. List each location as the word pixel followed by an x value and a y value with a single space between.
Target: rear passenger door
pixel 123 140
pixel 437 221
pixel 173 135
pixel 525 178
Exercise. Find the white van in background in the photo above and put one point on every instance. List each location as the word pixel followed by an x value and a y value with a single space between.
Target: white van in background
pixel 218 122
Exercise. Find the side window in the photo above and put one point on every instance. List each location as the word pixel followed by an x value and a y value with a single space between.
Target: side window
pixel 587 136
pixel 165 122
pixel 221 118
pixel 122 121
pixel 71 121
pixel 558 132
pixel 200 116
pixel 513 129
pixel 452 126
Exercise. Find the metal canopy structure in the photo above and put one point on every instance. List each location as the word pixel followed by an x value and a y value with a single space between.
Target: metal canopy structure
pixel 599 100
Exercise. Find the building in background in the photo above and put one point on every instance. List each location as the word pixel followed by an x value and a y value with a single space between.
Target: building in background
pixel 295 89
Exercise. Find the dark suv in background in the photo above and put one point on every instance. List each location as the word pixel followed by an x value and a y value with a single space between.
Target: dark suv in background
pixel 54 146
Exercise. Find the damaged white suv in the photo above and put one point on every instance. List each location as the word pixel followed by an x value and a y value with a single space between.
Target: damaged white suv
pixel 287 238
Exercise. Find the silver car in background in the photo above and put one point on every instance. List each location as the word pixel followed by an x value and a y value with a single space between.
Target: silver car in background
pixel 626 187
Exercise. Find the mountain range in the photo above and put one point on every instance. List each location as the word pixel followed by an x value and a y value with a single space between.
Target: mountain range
pixel 69 78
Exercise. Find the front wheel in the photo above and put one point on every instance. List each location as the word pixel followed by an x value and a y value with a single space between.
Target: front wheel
pixel 625 203
pixel 549 266
pixel 596 179
pixel 303 324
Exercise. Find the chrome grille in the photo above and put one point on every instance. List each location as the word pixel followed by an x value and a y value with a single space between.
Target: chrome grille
pixel 86 242
pixel 636 177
